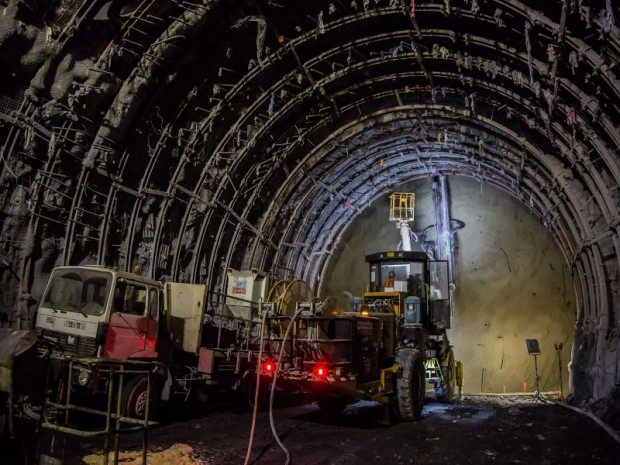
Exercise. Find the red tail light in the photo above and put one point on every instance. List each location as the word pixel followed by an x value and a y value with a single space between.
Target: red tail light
pixel 269 366
pixel 320 371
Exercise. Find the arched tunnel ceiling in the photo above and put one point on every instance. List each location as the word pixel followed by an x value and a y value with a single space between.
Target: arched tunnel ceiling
pixel 190 137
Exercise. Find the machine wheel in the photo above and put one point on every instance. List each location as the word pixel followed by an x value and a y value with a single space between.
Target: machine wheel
pixel 247 393
pixel 332 404
pixel 410 385
pixel 449 376
pixel 200 399
pixel 134 399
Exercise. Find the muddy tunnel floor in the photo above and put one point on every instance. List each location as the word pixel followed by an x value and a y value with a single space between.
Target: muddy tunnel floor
pixel 469 431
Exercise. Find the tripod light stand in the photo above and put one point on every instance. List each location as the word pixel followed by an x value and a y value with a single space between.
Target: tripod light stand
pixel 533 349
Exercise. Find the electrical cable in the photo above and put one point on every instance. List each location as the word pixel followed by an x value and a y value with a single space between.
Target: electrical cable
pixel 273 387
pixel 257 391
pixel 608 429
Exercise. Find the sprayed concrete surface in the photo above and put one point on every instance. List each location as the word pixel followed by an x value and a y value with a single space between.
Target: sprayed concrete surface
pixel 512 284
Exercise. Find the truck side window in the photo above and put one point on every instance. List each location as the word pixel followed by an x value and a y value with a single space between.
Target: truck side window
pixel 153 303
pixel 138 300
pixel 129 298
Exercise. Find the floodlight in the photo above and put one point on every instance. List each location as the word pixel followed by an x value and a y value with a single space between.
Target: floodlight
pixel 532 346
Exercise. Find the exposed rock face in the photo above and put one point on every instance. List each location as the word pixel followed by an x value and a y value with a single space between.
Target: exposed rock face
pixel 192 137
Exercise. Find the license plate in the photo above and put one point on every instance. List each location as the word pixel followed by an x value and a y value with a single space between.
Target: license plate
pixel 75 324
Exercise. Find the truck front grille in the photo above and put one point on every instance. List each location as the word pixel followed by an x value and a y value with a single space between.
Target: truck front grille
pixel 79 345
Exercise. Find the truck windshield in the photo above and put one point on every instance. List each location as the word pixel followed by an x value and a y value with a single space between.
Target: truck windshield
pixel 78 290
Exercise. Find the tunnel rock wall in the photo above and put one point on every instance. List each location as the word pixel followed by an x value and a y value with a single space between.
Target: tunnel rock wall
pixel 512 284
pixel 192 137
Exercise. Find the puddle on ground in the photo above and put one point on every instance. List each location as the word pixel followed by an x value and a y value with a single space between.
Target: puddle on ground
pixel 472 413
pixel 459 412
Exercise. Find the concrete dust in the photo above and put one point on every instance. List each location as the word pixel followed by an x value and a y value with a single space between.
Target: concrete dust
pixel 177 454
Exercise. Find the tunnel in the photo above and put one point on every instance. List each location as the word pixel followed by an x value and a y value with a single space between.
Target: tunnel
pixel 185 138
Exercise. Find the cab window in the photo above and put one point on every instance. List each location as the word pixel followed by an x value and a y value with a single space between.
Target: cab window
pixel 154 303
pixel 130 298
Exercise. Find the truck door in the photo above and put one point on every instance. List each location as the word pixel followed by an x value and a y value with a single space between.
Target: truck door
pixel 131 326
pixel 152 331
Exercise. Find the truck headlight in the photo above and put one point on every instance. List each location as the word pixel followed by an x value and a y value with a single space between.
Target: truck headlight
pixel 84 377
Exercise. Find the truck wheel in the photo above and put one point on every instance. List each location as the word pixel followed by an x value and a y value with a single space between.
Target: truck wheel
pixel 246 393
pixel 200 398
pixel 410 385
pixel 134 399
pixel 332 404
pixel 449 376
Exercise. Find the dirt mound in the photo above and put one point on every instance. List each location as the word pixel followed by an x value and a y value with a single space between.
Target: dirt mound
pixel 179 454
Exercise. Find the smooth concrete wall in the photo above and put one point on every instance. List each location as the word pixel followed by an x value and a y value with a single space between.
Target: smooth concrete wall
pixel 512 283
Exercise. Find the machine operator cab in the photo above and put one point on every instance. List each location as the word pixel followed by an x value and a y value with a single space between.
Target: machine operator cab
pixel 411 286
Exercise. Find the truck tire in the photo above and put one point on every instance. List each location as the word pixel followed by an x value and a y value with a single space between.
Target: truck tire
pixel 410 385
pixel 246 393
pixel 134 399
pixel 200 400
pixel 333 405
pixel 449 376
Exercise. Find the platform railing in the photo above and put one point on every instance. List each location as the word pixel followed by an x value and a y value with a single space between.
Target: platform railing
pixel 58 414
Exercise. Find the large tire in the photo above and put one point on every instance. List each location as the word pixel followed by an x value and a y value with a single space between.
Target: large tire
pixel 246 393
pixel 410 385
pixel 134 399
pixel 200 400
pixel 448 370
